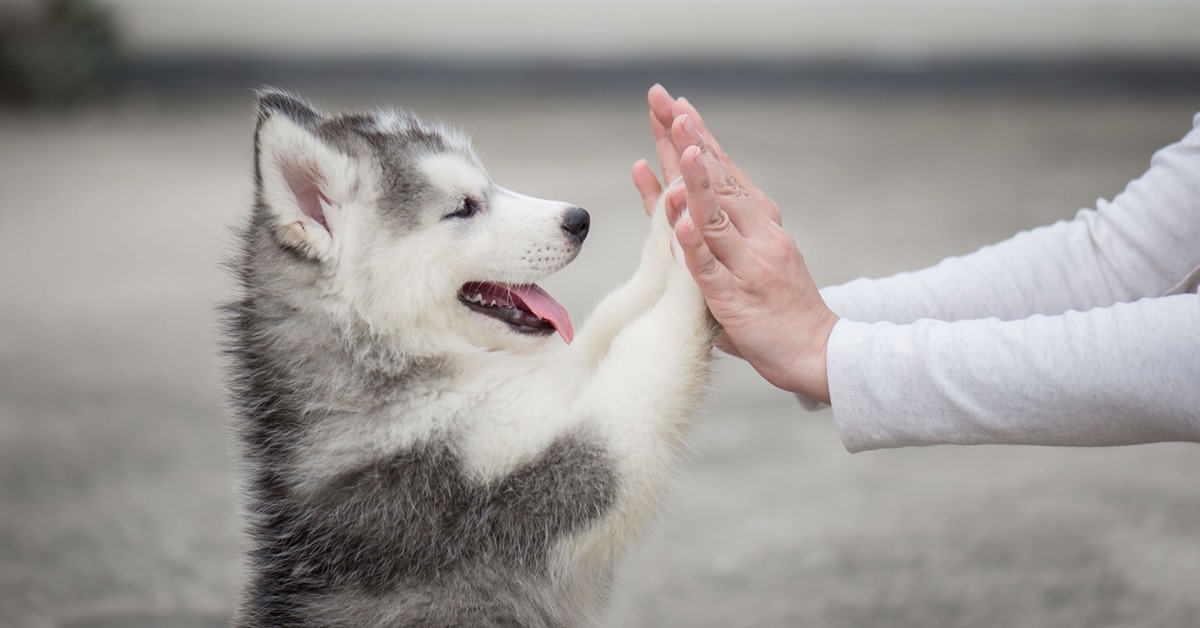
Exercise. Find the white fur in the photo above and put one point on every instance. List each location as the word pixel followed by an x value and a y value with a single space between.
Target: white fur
pixel 633 377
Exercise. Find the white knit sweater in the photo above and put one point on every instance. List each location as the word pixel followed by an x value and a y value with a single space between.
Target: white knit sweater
pixel 1085 332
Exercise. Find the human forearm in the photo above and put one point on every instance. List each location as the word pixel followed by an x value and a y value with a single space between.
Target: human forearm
pixel 1141 244
pixel 1034 272
pixel 1119 375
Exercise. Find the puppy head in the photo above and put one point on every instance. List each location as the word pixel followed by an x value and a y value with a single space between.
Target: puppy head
pixel 390 222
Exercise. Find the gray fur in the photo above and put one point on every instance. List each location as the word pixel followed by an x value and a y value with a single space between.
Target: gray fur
pixel 406 538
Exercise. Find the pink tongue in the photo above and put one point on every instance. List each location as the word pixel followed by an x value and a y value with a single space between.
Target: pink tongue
pixel 545 307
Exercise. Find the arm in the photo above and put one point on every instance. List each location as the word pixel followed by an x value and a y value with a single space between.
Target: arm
pixel 633 298
pixel 1142 244
pixel 1119 375
pixel 779 327
pixel 643 395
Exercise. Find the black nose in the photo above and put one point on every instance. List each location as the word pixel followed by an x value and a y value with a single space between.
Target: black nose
pixel 576 222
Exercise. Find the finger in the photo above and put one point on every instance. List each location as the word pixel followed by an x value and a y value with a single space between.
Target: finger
pixel 647 185
pixel 732 196
pixel 661 105
pixel 684 107
pixel 668 154
pixel 676 202
pixel 681 106
pixel 711 276
pixel 664 147
pixel 719 232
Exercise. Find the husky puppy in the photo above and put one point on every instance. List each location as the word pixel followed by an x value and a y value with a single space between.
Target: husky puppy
pixel 418 447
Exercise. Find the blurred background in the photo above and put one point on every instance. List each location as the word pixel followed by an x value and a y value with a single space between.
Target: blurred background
pixel 892 132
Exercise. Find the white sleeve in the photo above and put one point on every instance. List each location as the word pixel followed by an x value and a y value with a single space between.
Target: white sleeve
pixel 1125 374
pixel 1145 243
pixel 1104 368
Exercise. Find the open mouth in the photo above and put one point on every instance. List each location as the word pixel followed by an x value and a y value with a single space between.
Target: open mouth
pixel 526 308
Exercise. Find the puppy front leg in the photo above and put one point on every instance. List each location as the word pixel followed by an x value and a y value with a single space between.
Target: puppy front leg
pixel 645 392
pixel 634 297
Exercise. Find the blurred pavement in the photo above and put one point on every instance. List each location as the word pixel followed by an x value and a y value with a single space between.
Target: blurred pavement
pixel 116 507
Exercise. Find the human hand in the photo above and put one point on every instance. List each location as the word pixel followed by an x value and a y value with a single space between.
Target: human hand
pixel 750 270
pixel 663 111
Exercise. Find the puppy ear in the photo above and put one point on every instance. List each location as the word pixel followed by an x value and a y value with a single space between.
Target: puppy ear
pixel 303 182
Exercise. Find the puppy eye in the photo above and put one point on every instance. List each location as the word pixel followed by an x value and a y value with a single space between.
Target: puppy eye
pixel 468 206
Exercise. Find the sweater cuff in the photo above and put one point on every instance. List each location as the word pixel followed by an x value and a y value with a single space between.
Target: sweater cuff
pixel 845 383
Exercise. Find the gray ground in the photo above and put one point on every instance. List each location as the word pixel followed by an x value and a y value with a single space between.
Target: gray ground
pixel 116 508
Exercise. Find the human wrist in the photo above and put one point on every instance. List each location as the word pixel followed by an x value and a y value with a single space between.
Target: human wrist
pixel 806 373
pixel 818 372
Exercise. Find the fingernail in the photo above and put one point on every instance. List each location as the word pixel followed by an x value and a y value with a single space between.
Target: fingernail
pixel 689 128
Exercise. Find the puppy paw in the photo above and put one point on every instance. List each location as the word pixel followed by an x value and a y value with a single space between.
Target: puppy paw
pixel 680 280
pixel 660 243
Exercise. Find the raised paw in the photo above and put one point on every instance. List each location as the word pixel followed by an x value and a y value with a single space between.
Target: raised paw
pixel 660 243
pixel 681 282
